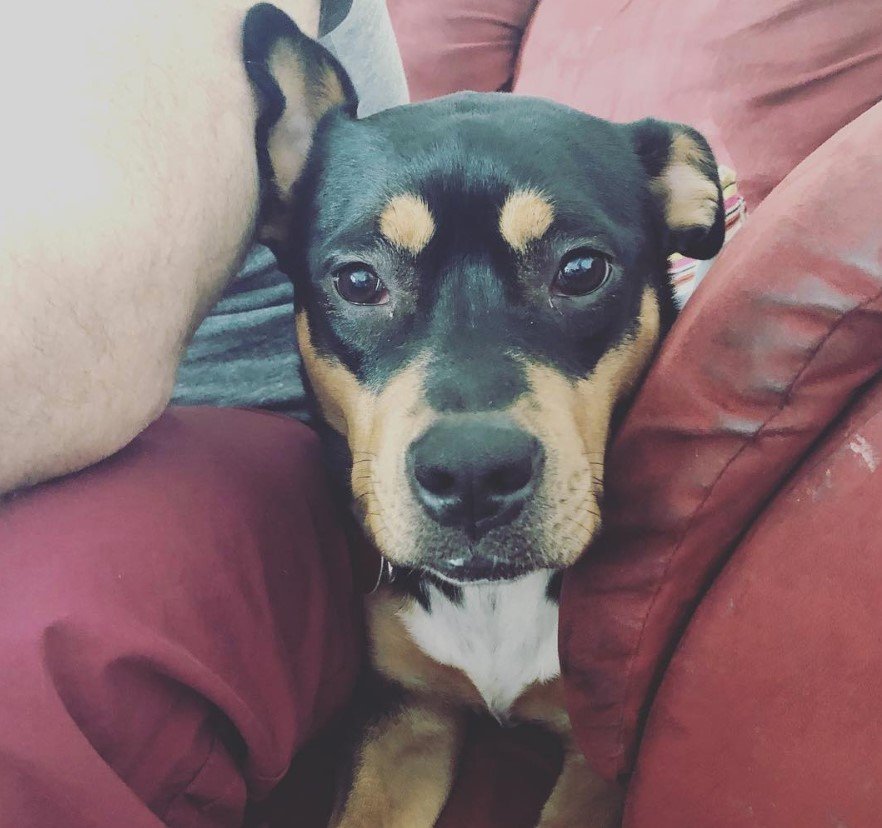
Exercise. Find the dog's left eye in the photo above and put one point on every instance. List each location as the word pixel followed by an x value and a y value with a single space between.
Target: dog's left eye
pixel 581 272
pixel 358 284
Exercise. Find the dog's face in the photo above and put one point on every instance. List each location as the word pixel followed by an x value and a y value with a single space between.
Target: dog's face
pixel 481 280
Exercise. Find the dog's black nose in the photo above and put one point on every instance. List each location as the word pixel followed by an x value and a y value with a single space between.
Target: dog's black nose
pixel 474 471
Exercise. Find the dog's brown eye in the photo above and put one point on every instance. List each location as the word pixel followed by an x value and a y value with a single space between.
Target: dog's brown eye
pixel 359 285
pixel 580 273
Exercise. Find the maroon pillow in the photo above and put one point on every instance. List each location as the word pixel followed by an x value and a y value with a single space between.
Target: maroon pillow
pixel 451 45
pixel 767 81
pixel 772 347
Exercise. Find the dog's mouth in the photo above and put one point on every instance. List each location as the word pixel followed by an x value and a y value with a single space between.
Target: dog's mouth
pixel 472 496
pixel 477 499
pixel 479 569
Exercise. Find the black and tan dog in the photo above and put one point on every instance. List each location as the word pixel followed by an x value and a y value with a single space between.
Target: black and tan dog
pixel 480 282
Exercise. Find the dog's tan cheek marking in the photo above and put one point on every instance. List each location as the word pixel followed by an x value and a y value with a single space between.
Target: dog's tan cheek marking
pixel 407 223
pixel 620 368
pixel 344 402
pixel 525 217
pixel 401 414
pixel 378 428
pixel 572 420
pixel 379 475
pixel 395 655
pixel 615 375
pixel 689 196
pixel 568 495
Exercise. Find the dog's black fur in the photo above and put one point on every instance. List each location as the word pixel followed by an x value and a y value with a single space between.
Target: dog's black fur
pixel 470 311
pixel 468 295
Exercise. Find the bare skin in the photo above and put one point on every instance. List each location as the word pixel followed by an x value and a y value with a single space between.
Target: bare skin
pixel 129 191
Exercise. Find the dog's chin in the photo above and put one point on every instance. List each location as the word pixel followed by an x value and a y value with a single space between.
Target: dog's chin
pixel 471 571
pixel 504 553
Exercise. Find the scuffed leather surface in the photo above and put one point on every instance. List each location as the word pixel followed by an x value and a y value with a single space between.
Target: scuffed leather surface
pixel 769 714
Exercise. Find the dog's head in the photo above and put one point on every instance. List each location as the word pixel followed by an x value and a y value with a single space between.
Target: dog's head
pixel 480 281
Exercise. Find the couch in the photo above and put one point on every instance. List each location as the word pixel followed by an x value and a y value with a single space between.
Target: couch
pixel 720 644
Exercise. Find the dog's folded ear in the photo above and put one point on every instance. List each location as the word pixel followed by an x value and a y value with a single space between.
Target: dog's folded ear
pixel 685 182
pixel 297 82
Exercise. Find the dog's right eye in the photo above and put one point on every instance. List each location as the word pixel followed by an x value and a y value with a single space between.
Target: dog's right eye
pixel 581 272
pixel 359 285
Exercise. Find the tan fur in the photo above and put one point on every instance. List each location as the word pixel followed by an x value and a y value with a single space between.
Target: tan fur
pixel 289 140
pixel 339 395
pixel 572 421
pixel 620 368
pixel 328 94
pixel 581 798
pixel 395 655
pixel 385 793
pixel 543 703
pixel 379 474
pixel 525 217
pixel 406 770
pixel 689 196
pixel 407 223
pixel 368 420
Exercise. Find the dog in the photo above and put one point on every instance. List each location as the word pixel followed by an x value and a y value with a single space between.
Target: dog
pixel 480 283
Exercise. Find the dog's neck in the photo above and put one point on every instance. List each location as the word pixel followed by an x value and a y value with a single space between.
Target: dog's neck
pixel 501 634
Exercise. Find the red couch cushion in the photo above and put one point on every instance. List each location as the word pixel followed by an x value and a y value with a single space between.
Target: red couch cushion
pixel 767 81
pixel 769 714
pixel 453 45
pixel 772 347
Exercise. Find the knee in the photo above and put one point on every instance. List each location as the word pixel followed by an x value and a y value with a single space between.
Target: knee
pixel 205 503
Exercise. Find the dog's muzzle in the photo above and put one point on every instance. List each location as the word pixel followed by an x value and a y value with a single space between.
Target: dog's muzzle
pixel 474 473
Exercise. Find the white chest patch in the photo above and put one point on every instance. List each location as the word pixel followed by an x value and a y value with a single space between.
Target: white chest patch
pixel 502 636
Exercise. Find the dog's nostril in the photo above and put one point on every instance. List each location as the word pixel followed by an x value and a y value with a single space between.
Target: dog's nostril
pixel 474 471
pixel 509 478
pixel 437 481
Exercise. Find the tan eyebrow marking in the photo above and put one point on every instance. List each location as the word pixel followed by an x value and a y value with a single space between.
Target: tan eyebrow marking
pixel 525 217
pixel 407 222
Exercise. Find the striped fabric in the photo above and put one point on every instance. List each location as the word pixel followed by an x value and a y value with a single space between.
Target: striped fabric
pixel 686 273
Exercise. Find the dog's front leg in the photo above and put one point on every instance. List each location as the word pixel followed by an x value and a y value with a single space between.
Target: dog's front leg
pixel 404 769
pixel 581 799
